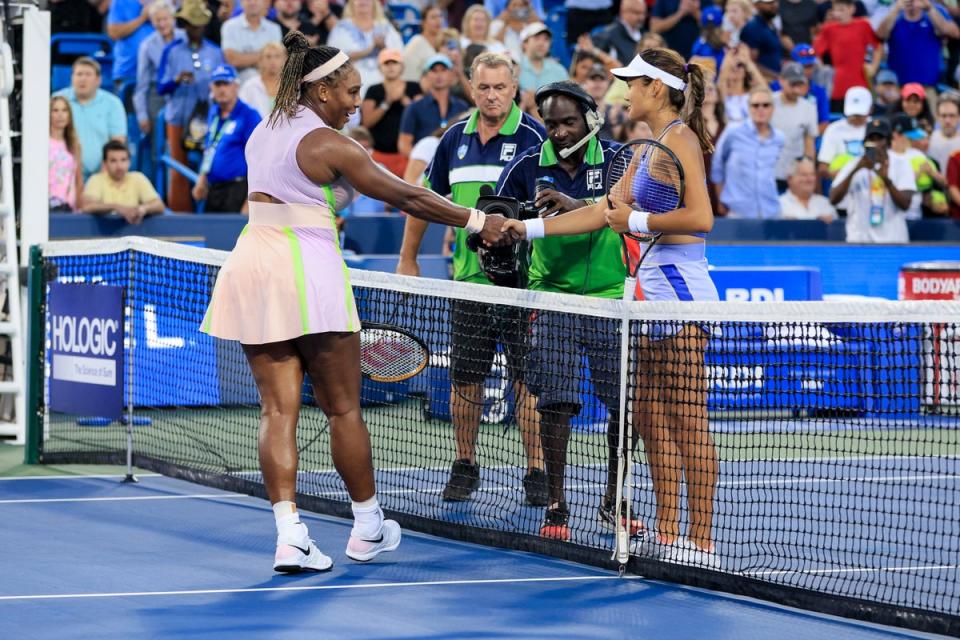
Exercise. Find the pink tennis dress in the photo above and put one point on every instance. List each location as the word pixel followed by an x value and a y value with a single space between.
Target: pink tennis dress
pixel 285 277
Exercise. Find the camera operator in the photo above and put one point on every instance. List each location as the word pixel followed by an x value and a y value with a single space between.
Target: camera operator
pixel 574 162
pixel 471 154
pixel 878 188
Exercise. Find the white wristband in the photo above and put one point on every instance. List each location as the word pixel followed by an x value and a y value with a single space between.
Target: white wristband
pixel 638 222
pixel 475 221
pixel 534 228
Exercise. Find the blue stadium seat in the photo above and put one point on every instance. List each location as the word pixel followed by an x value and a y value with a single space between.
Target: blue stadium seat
pixel 557 23
pixel 67 47
pixel 407 19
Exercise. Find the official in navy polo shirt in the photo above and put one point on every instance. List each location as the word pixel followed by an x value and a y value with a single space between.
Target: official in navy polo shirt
pixel 437 107
pixel 223 172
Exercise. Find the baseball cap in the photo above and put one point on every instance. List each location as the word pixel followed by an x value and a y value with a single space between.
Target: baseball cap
pixel 389 55
pixel 804 53
pixel 223 73
pixel 908 126
pixel 913 89
pixel 533 29
pixel 857 102
pixel 793 72
pixel 435 59
pixel 597 70
pixel 885 76
pixel 877 127
pixel 711 16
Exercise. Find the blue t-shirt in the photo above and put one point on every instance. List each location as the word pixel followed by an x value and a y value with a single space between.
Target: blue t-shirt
pixel 685 32
pixel 226 140
pixel 422 117
pixel 757 34
pixel 703 49
pixel 915 50
pixel 125 50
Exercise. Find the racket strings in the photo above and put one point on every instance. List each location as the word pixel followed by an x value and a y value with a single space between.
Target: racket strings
pixel 389 355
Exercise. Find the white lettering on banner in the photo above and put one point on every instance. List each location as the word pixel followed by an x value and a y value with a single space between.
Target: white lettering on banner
pixel 154 339
pixel 93 336
pixel 756 294
pixel 84 370
pixel 735 377
pixel 930 285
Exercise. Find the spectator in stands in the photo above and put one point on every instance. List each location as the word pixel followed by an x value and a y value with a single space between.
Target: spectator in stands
pixel 383 109
pixel 953 184
pixel 944 141
pixel 877 190
pixel 221 10
pixel 65 174
pixel 537 68
pixel 291 17
pixel 475 29
pixel 425 44
pixel 583 16
pixel 184 77
pixel 98 115
pixel 887 92
pixel 843 140
pixel 762 35
pixel 116 189
pixel 913 102
pixel 128 25
pixel 498 7
pixel 736 14
pixel 800 202
pixel 712 42
pixel 461 59
pixel 243 36
pixel 620 37
pixel 434 109
pixel 596 84
pixel 260 91
pixel 796 117
pixel 323 15
pixel 906 130
pixel 915 30
pixel 800 18
pixel 679 22
pixel 581 64
pixel 362 203
pixel 222 180
pixel 846 41
pixel 713 122
pixel 738 77
pixel 816 92
pixel 744 162
pixel 510 23
pixel 146 101
pixel 362 34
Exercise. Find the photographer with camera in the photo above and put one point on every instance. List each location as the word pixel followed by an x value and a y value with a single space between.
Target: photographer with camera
pixel 564 173
pixel 470 156
pixel 878 188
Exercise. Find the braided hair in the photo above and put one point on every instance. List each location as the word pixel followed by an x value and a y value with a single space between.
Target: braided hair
pixel 301 60
pixel 689 104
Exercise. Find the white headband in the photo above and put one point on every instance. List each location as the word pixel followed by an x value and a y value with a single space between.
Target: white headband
pixel 639 67
pixel 327 67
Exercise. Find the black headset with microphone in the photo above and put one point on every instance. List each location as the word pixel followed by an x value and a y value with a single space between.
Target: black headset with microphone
pixel 591 113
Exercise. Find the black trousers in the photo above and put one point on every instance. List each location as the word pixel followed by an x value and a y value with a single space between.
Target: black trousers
pixel 226 197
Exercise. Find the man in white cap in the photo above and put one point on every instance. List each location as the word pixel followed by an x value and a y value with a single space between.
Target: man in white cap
pixel 843 139
pixel 537 68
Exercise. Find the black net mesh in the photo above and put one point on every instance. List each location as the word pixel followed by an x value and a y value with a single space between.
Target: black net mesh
pixel 818 456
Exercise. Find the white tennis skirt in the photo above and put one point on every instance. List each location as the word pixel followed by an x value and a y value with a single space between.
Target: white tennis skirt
pixel 677 272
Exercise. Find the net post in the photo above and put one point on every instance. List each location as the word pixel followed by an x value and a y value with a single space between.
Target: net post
pixel 128 303
pixel 35 360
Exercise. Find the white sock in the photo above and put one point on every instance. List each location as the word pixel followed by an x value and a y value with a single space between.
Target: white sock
pixel 289 527
pixel 367 518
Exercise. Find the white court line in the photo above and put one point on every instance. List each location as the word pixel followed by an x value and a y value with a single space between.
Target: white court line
pixel 935 567
pixel 194 496
pixel 325 587
pixel 79 477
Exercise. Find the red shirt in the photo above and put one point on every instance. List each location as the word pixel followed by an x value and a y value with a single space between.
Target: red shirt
pixel 847 45
pixel 953 180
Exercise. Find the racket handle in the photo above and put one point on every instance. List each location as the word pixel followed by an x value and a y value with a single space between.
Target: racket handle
pixel 629 288
pixel 623 545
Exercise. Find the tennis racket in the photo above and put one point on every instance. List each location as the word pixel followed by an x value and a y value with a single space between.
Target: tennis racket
pixel 649 177
pixel 390 354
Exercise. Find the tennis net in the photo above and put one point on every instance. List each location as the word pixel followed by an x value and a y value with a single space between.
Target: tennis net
pixel 831 458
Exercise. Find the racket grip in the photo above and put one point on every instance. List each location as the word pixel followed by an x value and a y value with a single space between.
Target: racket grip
pixel 629 288
pixel 623 545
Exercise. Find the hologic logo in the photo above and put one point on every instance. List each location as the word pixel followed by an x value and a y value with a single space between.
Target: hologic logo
pixel 85 336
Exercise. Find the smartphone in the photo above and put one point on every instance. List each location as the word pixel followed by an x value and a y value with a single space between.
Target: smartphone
pixel 870 153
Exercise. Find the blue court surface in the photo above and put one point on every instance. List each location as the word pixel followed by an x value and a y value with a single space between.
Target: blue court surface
pixel 90 557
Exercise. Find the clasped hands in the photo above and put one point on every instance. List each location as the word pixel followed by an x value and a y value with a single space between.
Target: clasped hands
pixel 499 231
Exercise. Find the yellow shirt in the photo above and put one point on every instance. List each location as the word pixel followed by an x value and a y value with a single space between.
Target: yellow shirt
pixel 133 191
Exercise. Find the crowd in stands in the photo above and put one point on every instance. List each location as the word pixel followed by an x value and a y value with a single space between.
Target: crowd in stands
pixel 817 109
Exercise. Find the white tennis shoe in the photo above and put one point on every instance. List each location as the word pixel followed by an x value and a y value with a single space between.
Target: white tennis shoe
pixel 683 551
pixel 364 549
pixel 303 556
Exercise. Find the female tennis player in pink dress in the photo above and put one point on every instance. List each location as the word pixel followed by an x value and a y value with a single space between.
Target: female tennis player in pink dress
pixel 284 292
pixel 671 405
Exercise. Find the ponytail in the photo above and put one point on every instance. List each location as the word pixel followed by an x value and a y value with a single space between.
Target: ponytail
pixel 301 60
pixel 694 103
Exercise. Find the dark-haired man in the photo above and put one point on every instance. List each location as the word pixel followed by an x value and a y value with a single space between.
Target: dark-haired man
pixel 118 190
pixel 574 161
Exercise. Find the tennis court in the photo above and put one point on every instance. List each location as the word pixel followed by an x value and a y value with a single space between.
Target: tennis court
pixel 94 557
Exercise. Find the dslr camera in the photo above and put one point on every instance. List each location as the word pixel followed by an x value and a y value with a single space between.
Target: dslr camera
pixel 504 266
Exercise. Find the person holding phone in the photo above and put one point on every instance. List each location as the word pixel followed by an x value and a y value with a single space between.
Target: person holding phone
pixel 877 190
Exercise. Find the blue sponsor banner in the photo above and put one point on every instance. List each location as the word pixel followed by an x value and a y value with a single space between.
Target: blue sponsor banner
pixel 767 284
pixel 86 349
